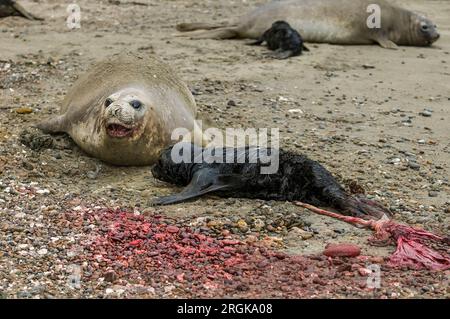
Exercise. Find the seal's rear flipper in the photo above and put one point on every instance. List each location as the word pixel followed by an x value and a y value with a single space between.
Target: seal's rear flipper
pixel 328 192
pixel 203 182
pixel 366 208
pixel 53 125
pixel 218 34
pixel 282 55
pixel 186 27
pixel 22 12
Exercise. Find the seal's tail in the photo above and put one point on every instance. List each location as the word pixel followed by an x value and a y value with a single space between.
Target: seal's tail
pixel 207 31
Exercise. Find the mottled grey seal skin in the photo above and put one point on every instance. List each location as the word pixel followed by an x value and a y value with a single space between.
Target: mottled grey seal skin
pixel 297 179
pixel 124 110
pixel 328 21
pixel 12 8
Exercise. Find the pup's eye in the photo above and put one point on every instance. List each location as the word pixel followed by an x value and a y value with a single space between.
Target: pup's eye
pixel 108 102
pixel 424 27
pixel 136 104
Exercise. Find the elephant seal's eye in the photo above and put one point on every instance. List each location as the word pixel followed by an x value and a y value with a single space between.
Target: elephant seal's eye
pixel 108 102
pixel 136 104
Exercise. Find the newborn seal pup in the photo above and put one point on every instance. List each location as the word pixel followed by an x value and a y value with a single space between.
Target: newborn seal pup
pixel 297 179
pixel 12 8
pixel 281 38
pixel 329 21
pixel 124 110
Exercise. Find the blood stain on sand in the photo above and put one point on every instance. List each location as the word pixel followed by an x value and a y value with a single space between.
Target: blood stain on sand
pixel 152 251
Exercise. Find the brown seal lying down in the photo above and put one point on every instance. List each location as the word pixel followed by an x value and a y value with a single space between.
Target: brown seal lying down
pixel 328 21
pixel 125 109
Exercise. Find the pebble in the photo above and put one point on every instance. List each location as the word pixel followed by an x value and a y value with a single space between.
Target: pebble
pixel 42 251
pixel 426 113
pixel 230 242
pixel 110 276
pixel 433 194
pixel 242 225
pixel 339 230
pixel 258 224
pixel 394 161
pixel 364 271
pixel 94 174
pixel 231 103
pixel 225 232
pixel 298 233
pixel 342 250
pixel 295 111
pixel 169 289
pixel 43 192
pixel 414 165
pixel 24 110
pixel 109 291
pixel 368 66
pixel 173 229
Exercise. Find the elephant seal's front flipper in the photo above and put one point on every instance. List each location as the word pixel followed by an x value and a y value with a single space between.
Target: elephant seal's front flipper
pixel 204 181
pixel 384 42
pixel 53 125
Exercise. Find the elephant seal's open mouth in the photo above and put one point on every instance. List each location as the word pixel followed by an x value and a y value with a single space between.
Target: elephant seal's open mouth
pixel 119 131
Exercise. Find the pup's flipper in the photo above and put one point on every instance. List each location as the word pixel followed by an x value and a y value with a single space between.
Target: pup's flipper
pixel 282 55
pixel 257 42
pixel 204 181
pixel 329 193
pixel 365 208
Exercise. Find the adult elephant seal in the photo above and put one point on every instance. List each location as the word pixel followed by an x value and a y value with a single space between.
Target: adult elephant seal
pixel 329 21
pixel 124 110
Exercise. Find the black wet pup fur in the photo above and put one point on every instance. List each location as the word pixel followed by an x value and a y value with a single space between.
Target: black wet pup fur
pixel 282 39
pixel 297 179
